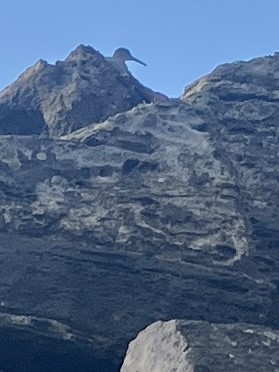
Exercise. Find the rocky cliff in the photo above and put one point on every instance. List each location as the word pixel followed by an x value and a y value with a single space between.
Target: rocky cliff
pixel 135 209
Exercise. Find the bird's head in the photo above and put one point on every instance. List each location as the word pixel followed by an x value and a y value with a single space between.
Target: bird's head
pixel 124 54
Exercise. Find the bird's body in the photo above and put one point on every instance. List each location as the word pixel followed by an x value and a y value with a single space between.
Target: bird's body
pixel 119 57
pixel 119 65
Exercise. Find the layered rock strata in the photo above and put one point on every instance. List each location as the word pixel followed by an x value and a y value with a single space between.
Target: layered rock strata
pixel 167 210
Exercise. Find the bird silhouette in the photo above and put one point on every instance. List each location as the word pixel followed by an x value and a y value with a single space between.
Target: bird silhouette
pixel 120 56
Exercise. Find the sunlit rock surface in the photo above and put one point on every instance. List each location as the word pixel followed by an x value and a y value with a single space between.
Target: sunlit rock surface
pixel 166 210
pixel 195 346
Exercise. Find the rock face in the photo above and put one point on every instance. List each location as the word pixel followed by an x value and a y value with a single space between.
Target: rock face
pixel 240 102
pixel 167 210
pixel 193 346
pixel 56 99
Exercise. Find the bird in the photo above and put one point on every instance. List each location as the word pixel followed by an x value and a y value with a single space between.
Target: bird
pixel 119 57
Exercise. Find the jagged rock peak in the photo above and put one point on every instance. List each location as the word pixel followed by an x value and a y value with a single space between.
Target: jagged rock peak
pixel 38 66
pixel 83 52
pixel 27 75
pixel 58 99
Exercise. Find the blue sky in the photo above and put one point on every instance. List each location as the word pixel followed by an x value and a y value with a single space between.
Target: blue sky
pixel 180 40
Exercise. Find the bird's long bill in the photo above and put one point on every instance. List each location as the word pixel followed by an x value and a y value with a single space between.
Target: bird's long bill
pixel 137 60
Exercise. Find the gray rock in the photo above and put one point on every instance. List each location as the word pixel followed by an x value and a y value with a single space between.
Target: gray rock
pixel 57 99
pixel 193 346
pixel 165 211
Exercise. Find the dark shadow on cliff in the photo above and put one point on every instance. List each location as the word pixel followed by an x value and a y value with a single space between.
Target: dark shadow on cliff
pixel 41 355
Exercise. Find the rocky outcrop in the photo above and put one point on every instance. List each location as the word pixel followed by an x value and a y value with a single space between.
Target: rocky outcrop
pixel 240 102
pixel 164 211
pixel 57 99
pixel 188 346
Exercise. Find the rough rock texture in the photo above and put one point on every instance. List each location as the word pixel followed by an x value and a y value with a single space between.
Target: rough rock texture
pixel 168 210
pixel 240 102
pixel 194 346
pixel 57 99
